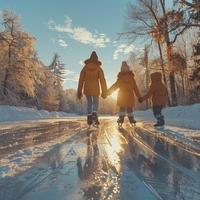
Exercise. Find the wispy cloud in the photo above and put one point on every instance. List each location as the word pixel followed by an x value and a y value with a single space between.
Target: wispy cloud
pixel 80 34
pixel 124 49
pixel 62 43
pixel 70 76
pixel 81 62
pixel 68 72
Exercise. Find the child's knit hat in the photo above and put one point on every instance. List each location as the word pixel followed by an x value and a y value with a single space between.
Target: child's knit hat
pixel 125 67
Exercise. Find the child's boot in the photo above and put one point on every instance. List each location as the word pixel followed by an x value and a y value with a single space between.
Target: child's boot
pixel 160 120
pixel 131 120
pixel 89 119
pixel 95 120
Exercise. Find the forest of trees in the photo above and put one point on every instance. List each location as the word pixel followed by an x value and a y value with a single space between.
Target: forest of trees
pixel 171 38
pixel 26 81
pixel 171 45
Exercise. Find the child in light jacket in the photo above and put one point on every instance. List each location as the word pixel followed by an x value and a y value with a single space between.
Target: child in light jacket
pixel 127 90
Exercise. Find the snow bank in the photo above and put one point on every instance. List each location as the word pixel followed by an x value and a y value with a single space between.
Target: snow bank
pixel 190 112
pixel 10 113
pixel 180 116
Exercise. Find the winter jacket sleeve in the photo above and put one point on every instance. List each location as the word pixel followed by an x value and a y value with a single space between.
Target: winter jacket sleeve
pixel 80 83
pixel 102 81
pixel 136 90
pixel 148 94
pixel 114 87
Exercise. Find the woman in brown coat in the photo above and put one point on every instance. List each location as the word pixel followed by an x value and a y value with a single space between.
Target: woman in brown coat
pixel 89 79
pixel 158 92
pixel 127 91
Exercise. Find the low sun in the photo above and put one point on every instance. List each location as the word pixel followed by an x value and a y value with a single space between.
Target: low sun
pixel 114 94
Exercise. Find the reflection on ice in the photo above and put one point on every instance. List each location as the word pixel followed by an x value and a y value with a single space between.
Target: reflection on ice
pixel 112 151
pixel 166 164
pixel 103 163
pixel 115 145
pixel 91 164
pixel 98 182
pixel 21 147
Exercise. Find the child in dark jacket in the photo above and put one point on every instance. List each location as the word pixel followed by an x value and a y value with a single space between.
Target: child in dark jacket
pixel 158 92
pixel 127 91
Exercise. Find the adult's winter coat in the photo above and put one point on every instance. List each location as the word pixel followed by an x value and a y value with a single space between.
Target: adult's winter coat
pixel 91 77
pixel 127 89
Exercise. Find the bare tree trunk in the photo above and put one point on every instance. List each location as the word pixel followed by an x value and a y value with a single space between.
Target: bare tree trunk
pixel 5 83
pixel 173 89
pixel 6 74
pixel 183 85
pixel 171 76
pixel 164 75
pixel 147 72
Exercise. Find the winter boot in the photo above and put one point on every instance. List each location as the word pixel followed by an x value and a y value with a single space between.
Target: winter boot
pixel 89 119
pixel 160 120
pixel 95 120
pixel 131 120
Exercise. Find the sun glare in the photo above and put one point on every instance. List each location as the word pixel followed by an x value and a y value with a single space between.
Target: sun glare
pixel 115 144
pixel 114 94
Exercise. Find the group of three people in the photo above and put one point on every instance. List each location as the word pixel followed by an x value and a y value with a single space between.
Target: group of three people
pixel 92 77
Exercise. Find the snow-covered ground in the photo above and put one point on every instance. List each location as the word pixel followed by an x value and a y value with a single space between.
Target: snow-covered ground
pixel 180 116
pixel 184 121
pixel 11 115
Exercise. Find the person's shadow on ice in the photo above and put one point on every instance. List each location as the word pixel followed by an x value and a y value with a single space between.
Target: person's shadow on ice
pixel 88 170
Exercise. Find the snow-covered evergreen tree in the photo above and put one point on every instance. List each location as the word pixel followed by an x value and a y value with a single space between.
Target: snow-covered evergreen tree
pixel 57 68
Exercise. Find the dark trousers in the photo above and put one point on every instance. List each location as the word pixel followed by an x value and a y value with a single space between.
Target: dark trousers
pixel 157 111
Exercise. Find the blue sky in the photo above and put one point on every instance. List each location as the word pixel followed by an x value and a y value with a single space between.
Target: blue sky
pixel 75 28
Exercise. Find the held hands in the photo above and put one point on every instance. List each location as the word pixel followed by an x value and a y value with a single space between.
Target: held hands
pixel 79 95
pixel 104 95
pixel 140 100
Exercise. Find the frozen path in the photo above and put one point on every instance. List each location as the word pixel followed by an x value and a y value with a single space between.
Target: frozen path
pixel 104 163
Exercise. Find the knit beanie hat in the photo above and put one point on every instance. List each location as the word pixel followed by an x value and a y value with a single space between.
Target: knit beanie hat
pixel 125 67
pixel 93 58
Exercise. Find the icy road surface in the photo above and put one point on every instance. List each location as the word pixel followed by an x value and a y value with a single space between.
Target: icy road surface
pixel 63 160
